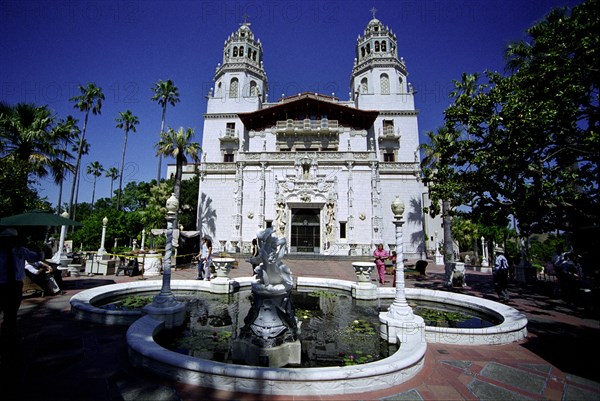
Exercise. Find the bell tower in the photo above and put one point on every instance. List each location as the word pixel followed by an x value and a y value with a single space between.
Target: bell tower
pixel 240 80
pixel 379 76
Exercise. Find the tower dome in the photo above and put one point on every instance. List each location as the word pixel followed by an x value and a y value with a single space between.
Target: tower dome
pixel 241 74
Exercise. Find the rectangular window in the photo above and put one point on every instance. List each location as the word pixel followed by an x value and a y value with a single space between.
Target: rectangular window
pixel 268 223
pixel 342 230
pixel 388 157
pixel 228 158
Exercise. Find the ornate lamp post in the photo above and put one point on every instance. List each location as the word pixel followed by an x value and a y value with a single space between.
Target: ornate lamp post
pixel 102 250
pixel 399 324
pixel 164 306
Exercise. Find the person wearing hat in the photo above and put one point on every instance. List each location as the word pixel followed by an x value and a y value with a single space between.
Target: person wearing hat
pixel 12 272
pixel 500 275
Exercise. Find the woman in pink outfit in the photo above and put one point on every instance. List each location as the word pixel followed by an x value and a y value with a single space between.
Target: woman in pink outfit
pixel 380 256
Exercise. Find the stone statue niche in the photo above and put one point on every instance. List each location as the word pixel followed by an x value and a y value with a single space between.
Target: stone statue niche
pixel 270 333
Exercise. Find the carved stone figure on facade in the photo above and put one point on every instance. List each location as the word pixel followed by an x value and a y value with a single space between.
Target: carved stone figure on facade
pixel 280 220
pixel 330 221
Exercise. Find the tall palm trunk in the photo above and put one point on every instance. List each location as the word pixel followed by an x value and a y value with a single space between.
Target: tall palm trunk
pixel 121 175
pixel 93 193
pixel 77 165
pixel 162 129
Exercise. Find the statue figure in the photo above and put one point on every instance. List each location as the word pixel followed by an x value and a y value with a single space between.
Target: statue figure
pixel 271 272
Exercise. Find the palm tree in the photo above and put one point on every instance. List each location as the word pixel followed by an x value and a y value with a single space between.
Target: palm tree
pixel 90 99
pixel 30 137
pixel 113 174
pixel 165 92
pixel 95 169
pixel 178 144
pixel 126 121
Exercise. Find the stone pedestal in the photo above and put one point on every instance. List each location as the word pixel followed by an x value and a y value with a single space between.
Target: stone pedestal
pixel 287 354
pixel 455 274
pixel 366 291
pixel 270 334
pixel 219 285
pixel 152 265
pixel 439 258
pixel 166 310
pixel 100 265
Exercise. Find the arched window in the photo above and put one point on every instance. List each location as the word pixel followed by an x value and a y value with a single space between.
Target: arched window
pixel 219 87
pixel 368 48
pixel 401 85
pixel 253 88
pixel 362 51
pixel 233 88
pixel 364 85
pixel 383 46
pixel 241 51
pixel 385 84
pixel 235 51
pixel 376 46
pixel 254 55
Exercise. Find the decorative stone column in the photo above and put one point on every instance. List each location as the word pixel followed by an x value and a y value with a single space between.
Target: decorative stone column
pixel 485 254
pixel 164 307
pixel 399 324
pixel 102 250
pixel 143 239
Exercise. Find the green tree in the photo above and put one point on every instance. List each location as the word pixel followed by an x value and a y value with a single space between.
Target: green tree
pixel 165 92
pixel 90 100
pixel 529 144
pixel 127 122
pixel 96 170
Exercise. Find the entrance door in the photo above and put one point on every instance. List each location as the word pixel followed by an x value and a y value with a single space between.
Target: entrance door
pixel 305 231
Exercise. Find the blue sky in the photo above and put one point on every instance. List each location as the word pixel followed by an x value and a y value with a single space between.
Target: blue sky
pixel 48 48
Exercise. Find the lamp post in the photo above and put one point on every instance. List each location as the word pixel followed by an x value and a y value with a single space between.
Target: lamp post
pixel 61 242
pixel 164 306
pixel 102 250
pixel 399 323
pixel 143 239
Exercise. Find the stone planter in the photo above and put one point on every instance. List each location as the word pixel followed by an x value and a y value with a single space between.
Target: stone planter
pixel 363 271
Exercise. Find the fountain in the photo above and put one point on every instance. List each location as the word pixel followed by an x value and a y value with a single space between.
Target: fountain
pixel 268 342
pixel 270 334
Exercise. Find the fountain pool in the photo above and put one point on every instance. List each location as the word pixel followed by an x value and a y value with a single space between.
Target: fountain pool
pixel 399 367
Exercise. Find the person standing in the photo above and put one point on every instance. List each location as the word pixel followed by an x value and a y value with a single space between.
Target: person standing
pixel 205 258
pixel 380 255
pixel 12 273
pixel 254 251
pixel 500 275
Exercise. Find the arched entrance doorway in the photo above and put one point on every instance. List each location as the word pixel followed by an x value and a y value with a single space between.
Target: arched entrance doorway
pixel 306 231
